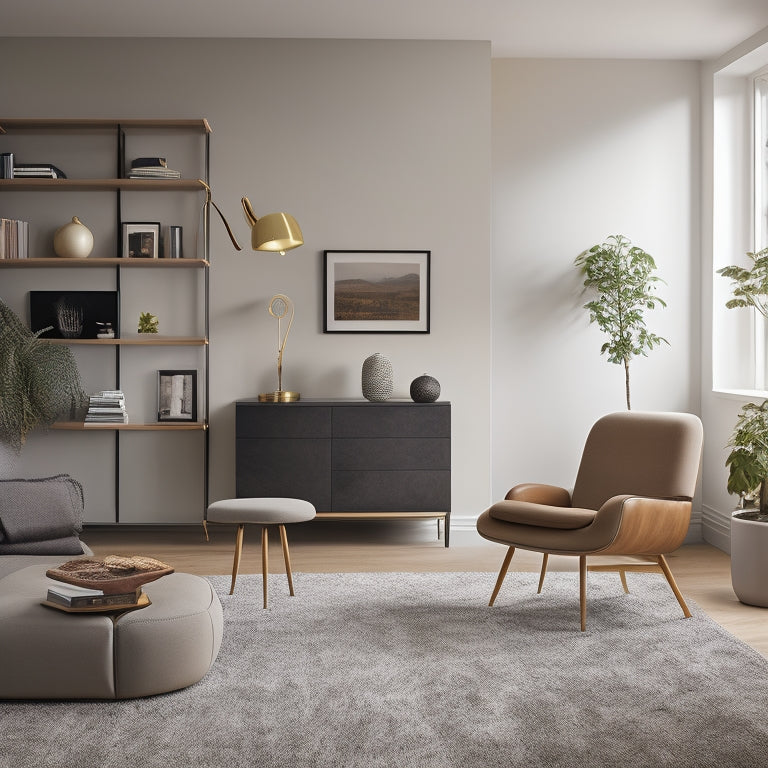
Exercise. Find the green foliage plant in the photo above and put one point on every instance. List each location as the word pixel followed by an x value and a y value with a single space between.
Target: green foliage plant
pixel 148 323
pixel 39 381
pixel 621 275
pixel 749 286
pixel 748 460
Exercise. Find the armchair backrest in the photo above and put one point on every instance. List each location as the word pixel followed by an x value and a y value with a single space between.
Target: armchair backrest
pixel 639 453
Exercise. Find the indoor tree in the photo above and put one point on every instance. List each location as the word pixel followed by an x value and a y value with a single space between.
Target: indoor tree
pixel 621 275
pixel 748 460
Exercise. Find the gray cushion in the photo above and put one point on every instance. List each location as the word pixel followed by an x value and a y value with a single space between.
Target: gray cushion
pixel 267 511
pixel 66 545
pixel 40 509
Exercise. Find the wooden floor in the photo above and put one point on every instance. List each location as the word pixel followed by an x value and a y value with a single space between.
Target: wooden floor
pixel 702 572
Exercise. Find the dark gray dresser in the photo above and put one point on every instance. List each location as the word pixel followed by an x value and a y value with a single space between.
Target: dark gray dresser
pixel 352 459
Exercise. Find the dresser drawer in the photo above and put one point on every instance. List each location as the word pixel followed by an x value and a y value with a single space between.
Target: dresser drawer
pixel 374 420
pixel 392 453
pixel 282 420
pixel 284 467
pixel 381 491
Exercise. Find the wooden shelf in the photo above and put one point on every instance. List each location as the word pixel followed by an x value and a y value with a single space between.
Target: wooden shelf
pixel 155 426
pixel 56 261
pixel 152 340
pixel 101 124
pixel 102 185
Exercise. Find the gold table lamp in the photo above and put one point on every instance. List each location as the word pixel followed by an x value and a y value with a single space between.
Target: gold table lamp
pixel 279 306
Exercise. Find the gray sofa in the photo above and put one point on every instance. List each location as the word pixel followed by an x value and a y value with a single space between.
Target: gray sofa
pixel 50 654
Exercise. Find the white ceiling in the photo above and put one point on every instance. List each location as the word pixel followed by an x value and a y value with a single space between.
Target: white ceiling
pixel 661 29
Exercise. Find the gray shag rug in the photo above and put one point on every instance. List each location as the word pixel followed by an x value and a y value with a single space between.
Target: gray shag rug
pixel 415 670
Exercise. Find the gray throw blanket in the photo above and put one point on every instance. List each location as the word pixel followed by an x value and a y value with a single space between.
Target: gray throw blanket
pixel 67 545
pixel 40 510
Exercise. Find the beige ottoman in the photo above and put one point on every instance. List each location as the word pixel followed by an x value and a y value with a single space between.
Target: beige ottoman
pixel 265 512
pixel 49 654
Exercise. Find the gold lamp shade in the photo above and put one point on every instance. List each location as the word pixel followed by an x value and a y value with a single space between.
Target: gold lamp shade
pixel 277 232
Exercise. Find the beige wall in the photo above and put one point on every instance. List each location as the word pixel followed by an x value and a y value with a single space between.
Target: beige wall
pixel 371 145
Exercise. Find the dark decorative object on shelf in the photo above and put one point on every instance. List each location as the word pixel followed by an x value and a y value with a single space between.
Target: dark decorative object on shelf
pixel 72 314
pixel 425 389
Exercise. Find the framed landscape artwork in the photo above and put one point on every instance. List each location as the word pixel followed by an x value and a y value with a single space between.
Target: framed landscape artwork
pixel 376 292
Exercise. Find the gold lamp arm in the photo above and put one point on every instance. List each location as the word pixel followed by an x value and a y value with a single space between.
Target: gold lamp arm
pixel 209 201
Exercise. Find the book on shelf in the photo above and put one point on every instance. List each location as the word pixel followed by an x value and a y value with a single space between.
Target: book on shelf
pixel 73 596
pixel 14 239
pixel 106 407
pixel 153 172
pixel 6 165
pixel 37 171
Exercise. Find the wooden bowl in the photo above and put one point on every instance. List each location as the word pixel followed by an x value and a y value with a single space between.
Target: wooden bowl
pixel 114 575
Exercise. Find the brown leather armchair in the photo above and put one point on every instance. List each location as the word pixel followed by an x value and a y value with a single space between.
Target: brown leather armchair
pixel 632 496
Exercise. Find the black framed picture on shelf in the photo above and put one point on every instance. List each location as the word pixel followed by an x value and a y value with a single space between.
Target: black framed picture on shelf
pixel 376 292
pixel 73 314
pixel 141 240
pixel 177 395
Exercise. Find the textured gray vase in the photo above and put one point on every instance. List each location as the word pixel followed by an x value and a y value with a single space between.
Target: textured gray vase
pixel 425 389
pixel 377 378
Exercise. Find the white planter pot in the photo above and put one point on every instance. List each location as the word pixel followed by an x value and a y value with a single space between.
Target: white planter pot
pixel 749 560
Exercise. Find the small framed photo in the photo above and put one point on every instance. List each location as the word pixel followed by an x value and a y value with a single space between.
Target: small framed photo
pixel 376 291
pixel 141 240
pixel 177 396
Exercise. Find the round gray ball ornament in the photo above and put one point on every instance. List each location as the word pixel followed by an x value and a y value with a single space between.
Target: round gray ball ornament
pixel 425 389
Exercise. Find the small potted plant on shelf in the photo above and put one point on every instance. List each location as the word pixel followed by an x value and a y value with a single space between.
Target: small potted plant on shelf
pixel 39 381
pixel 622 276
pixel 748 477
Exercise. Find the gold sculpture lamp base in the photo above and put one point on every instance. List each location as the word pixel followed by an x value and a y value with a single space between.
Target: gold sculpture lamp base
pixel 279 396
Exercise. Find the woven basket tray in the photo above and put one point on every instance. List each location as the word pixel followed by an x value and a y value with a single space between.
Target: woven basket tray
pixel 114 575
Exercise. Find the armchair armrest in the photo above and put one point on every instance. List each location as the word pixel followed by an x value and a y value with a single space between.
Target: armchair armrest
pixel 645 525
pixel 539 493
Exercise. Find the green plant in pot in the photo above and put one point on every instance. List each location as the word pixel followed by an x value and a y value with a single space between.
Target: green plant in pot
pixel 39 381
pixel 748 460
pixel 748 477
pixel 621 274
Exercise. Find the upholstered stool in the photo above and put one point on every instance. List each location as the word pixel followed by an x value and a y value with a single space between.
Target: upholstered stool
pixel 264 512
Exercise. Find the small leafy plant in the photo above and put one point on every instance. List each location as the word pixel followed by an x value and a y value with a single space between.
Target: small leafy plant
pixel 750 286
pixel 622 276
pixel 748 460
pixel 148 323
pixel 39 381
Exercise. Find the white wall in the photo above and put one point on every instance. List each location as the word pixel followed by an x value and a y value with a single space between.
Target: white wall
pixel 583 150
pixel 371 145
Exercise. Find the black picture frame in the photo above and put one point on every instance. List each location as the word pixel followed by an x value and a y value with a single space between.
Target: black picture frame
pixel 73 314
pixel 141 240
pixel 177 395
pixel 376 291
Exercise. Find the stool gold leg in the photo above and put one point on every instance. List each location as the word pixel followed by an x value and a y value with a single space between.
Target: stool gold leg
pixel 264 559
pixel 583 591
pixel 205 529
pixel 287 557
pixel 238 552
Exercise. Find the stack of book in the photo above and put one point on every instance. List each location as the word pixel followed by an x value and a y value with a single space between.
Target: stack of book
pixel 106 407
pixel 152 168
pixel 14 239
pixel 72 596
pixel 37 171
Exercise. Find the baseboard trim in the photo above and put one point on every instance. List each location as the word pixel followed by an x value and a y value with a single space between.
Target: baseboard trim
pixel 717 528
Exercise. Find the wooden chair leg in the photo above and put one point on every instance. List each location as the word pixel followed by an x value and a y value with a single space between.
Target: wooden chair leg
pixel 205 529
pixel 583 590
pixel 672 583
pixel 264 559
pixel 286 557
pixel 623 577
pixel 502 574
pixel 544 561
pixel 238 552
